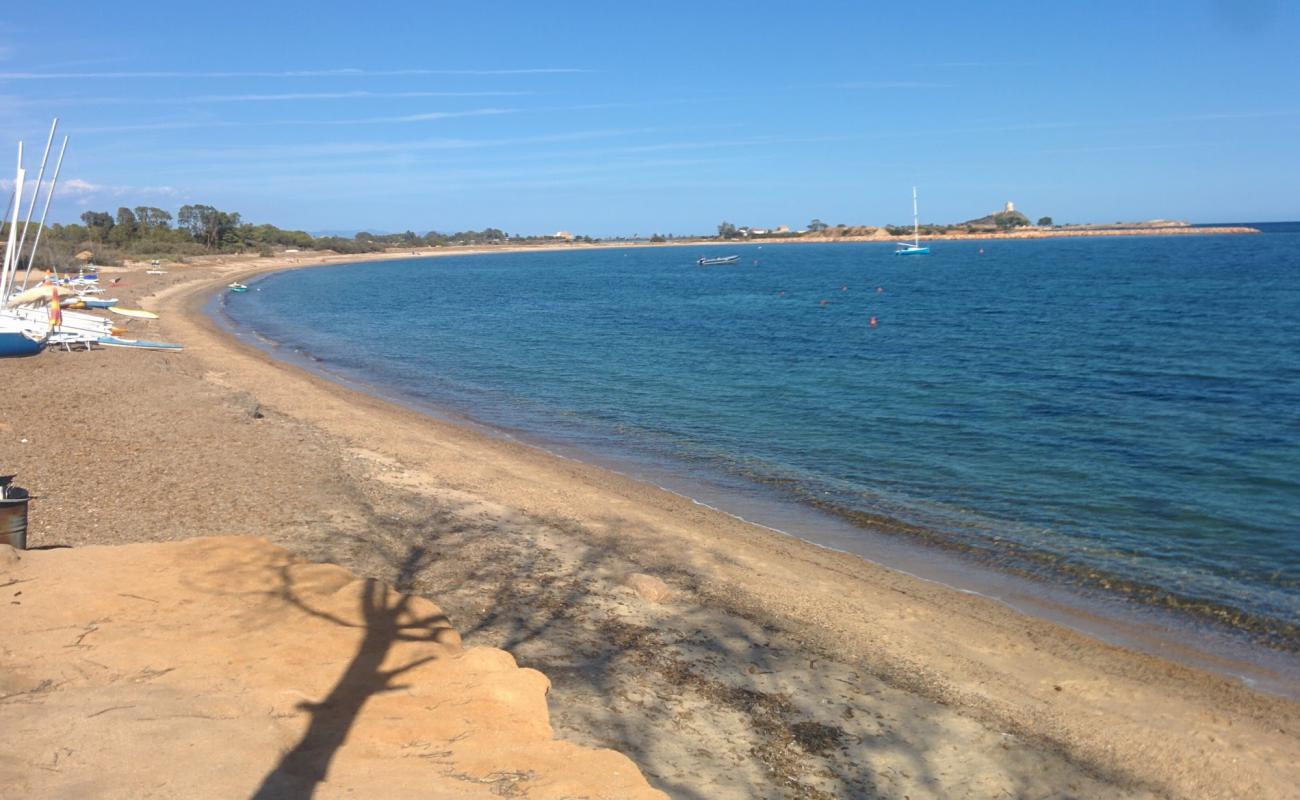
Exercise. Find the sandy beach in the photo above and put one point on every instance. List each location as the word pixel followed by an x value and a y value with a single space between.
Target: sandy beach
pixel 762 667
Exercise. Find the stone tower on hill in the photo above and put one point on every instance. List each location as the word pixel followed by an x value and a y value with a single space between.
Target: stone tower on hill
pixel 1010 207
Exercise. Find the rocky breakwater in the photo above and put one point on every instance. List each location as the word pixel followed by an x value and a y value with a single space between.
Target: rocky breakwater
pixel 228 667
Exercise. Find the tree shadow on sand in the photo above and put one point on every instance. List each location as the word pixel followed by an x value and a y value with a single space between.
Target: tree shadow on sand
pixel 305 766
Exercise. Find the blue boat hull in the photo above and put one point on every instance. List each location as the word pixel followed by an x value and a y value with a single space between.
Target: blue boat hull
pixel 15 344
pixel 913 251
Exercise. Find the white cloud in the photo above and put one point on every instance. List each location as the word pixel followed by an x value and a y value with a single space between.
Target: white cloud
pixel 261 98
pixel 189 124
pixel 76 187
pixel 79 188
pixel 888 85
pixel 302 73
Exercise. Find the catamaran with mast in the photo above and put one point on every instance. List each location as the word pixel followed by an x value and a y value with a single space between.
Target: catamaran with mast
pixel 915 248
pixel 32 318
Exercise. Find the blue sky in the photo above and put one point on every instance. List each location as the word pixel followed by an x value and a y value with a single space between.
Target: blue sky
pixel 612 118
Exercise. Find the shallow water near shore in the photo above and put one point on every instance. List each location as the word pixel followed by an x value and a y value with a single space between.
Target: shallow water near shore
pixel 1113 416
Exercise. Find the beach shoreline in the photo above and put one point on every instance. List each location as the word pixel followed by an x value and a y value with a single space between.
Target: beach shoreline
pixel 1172 627
pixel 1136 723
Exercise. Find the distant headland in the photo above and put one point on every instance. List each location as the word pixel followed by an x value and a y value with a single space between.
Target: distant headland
pixel 1005 224
pixel 146 233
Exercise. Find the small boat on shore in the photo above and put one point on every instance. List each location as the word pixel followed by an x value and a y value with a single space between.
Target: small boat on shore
pixel 709 262
pixel 138 313
pixel 137 344
pixel 238 288
pixel 17 339
pixel 915 248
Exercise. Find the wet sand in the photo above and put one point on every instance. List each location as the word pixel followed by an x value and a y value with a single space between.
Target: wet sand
pixel 774 669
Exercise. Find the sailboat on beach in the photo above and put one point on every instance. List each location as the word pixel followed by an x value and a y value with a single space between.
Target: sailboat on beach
pixel 915 248
pixel 33 318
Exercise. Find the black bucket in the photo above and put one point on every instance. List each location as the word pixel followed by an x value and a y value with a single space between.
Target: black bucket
pixel 13 516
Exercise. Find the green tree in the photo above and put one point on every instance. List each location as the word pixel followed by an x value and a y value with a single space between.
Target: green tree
pixel 727 231
pixel 98 224
pixel 817 226
pixel 1044 222
pixel 152 219
pixel 209 226
pixel 125 225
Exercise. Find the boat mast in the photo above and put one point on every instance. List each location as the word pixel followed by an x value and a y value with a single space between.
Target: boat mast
pixel 10 256
pixel 51 269
pixel 40 176
pixel 916 221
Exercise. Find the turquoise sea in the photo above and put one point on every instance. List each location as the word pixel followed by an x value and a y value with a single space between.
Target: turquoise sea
pixel 1117 416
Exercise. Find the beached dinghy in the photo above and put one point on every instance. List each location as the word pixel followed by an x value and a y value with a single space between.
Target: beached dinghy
pixel 138 344
pixel 88 302
pixel 138 313
pixel 17 339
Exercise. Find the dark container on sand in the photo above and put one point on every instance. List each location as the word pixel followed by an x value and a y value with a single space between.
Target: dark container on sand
pixel 13 513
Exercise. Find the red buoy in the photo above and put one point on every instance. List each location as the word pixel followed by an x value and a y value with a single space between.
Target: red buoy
pixel 873 322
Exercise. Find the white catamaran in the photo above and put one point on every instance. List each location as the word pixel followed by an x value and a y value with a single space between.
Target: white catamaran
pixel 915 248
pixel 31 319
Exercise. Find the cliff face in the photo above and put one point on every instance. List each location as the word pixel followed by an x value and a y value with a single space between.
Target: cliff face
pixel 228 667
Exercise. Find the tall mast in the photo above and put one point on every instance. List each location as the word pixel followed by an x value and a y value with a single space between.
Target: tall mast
pixel 10 256
pixel 916 220
pixel 40 176
pixel 50 269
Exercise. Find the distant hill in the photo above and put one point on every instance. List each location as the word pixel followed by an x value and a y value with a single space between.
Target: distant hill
pixel 1002 220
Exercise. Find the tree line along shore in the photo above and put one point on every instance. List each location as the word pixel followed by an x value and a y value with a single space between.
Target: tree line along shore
pixel 143 233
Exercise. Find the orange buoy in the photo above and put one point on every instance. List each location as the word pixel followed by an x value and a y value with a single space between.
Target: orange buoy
pixel 873 322
pixel 824 302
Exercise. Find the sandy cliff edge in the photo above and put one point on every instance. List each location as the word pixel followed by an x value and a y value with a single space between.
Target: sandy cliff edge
pixel 228 667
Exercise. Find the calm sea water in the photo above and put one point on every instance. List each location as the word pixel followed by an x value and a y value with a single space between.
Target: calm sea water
pixel 1119 414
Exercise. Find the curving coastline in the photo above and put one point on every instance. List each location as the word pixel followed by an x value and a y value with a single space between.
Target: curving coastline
pixel 911 651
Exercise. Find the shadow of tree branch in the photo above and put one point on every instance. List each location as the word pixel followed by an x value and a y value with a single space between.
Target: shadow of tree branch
pixel 306 765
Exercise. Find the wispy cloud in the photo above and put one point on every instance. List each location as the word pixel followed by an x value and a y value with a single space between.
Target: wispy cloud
pixel 203 124
pixel 204 99
pixel 584 170
pixel 331 149
pixel 888 85
pixel 711 144
pixel 1236 115
pixel 299 73
pixel 426 117
pixel 1121 148
pixel 975 64
pixel 79 188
